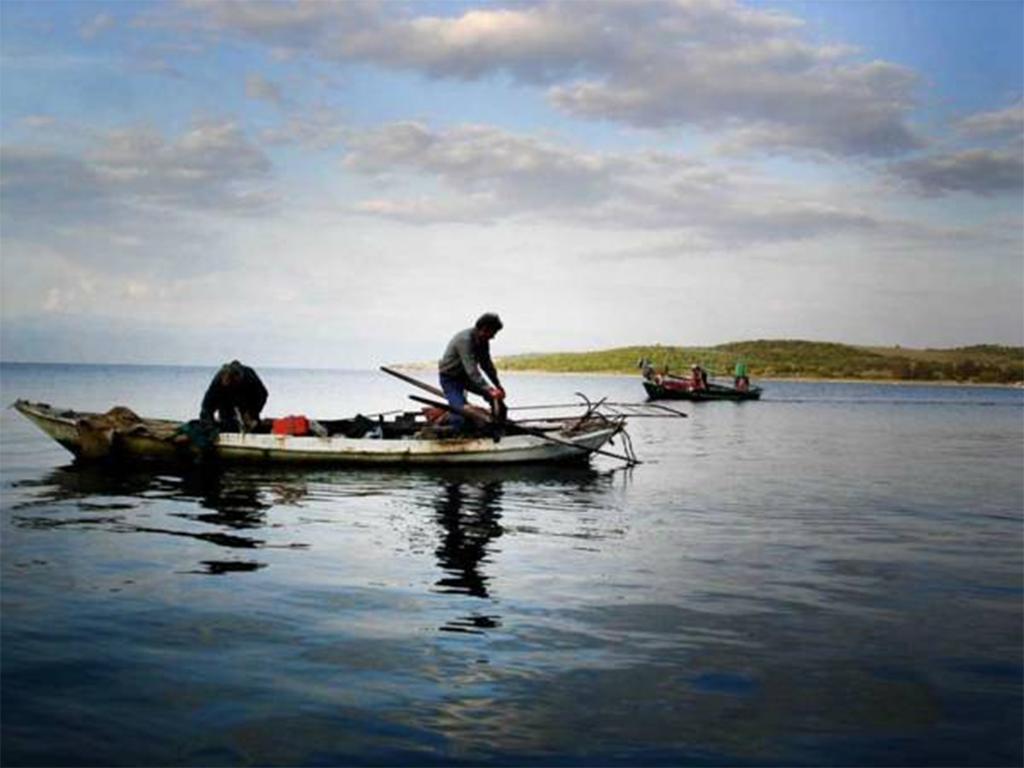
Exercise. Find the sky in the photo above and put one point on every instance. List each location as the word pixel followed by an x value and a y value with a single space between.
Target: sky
pixel 345 184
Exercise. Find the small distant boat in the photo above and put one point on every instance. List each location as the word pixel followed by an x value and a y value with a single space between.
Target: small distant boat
pixel 674 388
pixel 405 439
pixel 666 386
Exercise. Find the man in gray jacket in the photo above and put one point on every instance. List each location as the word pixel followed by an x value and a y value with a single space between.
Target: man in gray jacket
pixel 467 354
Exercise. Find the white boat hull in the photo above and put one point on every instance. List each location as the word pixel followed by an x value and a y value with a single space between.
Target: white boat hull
pixel 314 450
pixel 64 427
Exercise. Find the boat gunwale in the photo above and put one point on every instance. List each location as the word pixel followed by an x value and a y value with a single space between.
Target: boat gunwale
pixel 266 447
pixel 656 391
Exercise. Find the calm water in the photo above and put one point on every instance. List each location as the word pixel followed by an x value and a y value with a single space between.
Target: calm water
pixel 832 576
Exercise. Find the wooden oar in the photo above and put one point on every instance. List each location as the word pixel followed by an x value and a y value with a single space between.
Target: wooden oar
pixel 532 431
pixel 439 393
pixel 472 413
pixel 615 406
pixel 411 380
pixel 660 407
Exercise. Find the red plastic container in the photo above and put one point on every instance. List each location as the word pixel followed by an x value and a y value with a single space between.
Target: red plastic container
pixel 291 425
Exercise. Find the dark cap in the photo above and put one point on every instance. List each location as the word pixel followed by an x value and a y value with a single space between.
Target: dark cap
pixel 489 321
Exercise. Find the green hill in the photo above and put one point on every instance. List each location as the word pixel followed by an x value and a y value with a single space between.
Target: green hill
pixel 987 363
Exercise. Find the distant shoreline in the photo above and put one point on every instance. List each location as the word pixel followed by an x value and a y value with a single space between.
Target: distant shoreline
pixel 760 379
pixel 421 367
pixel 429 368
pixel 799 360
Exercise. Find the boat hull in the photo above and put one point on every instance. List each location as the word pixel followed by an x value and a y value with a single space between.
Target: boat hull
pixel 65 428
pixel 713 392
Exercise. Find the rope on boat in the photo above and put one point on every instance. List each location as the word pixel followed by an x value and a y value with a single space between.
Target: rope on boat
pixel 627 447
pixel 633 410
pixel 609 416
pixel 627 442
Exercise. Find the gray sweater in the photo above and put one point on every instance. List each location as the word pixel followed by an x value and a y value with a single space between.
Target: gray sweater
pixel 465 357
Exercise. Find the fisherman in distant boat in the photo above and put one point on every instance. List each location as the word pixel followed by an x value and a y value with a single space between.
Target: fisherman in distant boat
pixel 467 354
pixel 648 372
pixel 698 377
pixel 234 399
pixel 740 378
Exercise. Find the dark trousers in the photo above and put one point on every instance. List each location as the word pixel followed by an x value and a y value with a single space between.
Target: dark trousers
pixel 455 393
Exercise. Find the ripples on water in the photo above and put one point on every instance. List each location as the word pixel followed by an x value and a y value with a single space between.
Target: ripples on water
pixel 830 576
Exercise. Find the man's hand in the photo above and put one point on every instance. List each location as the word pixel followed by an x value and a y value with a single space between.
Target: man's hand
pixel 496 393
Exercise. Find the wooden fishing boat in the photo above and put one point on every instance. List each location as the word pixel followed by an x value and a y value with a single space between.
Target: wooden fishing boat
pixel 662 385
pixel 673 388
pixel 405 439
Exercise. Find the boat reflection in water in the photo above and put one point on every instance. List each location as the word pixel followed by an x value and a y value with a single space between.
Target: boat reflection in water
pixel 119 502
pixel 235 506
pixel 250 510
pixel 469 517
pixel 468 509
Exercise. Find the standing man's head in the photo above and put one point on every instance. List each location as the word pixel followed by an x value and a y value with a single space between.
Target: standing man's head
pixel 488 325
pixel 231 374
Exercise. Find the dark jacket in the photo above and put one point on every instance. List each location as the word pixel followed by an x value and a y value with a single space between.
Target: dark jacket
pixel 248 395
pixel 464 357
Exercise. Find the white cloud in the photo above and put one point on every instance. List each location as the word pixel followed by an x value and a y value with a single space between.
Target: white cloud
pixel 315 129
pixel 38 122
pixel 786 97
pixel 520 172
pixel 479 210
pixel 55 301
pixel 211 166
pixel 96 26
pixel 1007 122
pixel 481 173
pixel 707 63
pixel 134 203
pixel 976 171
pixel 260 88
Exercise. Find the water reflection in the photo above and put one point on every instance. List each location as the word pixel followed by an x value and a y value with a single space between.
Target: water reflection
pixel 469 523
pixel 469 517
pixel 234 509
pixel 221 567
pixel 230 502
pixel 468 507
pixel 79 482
